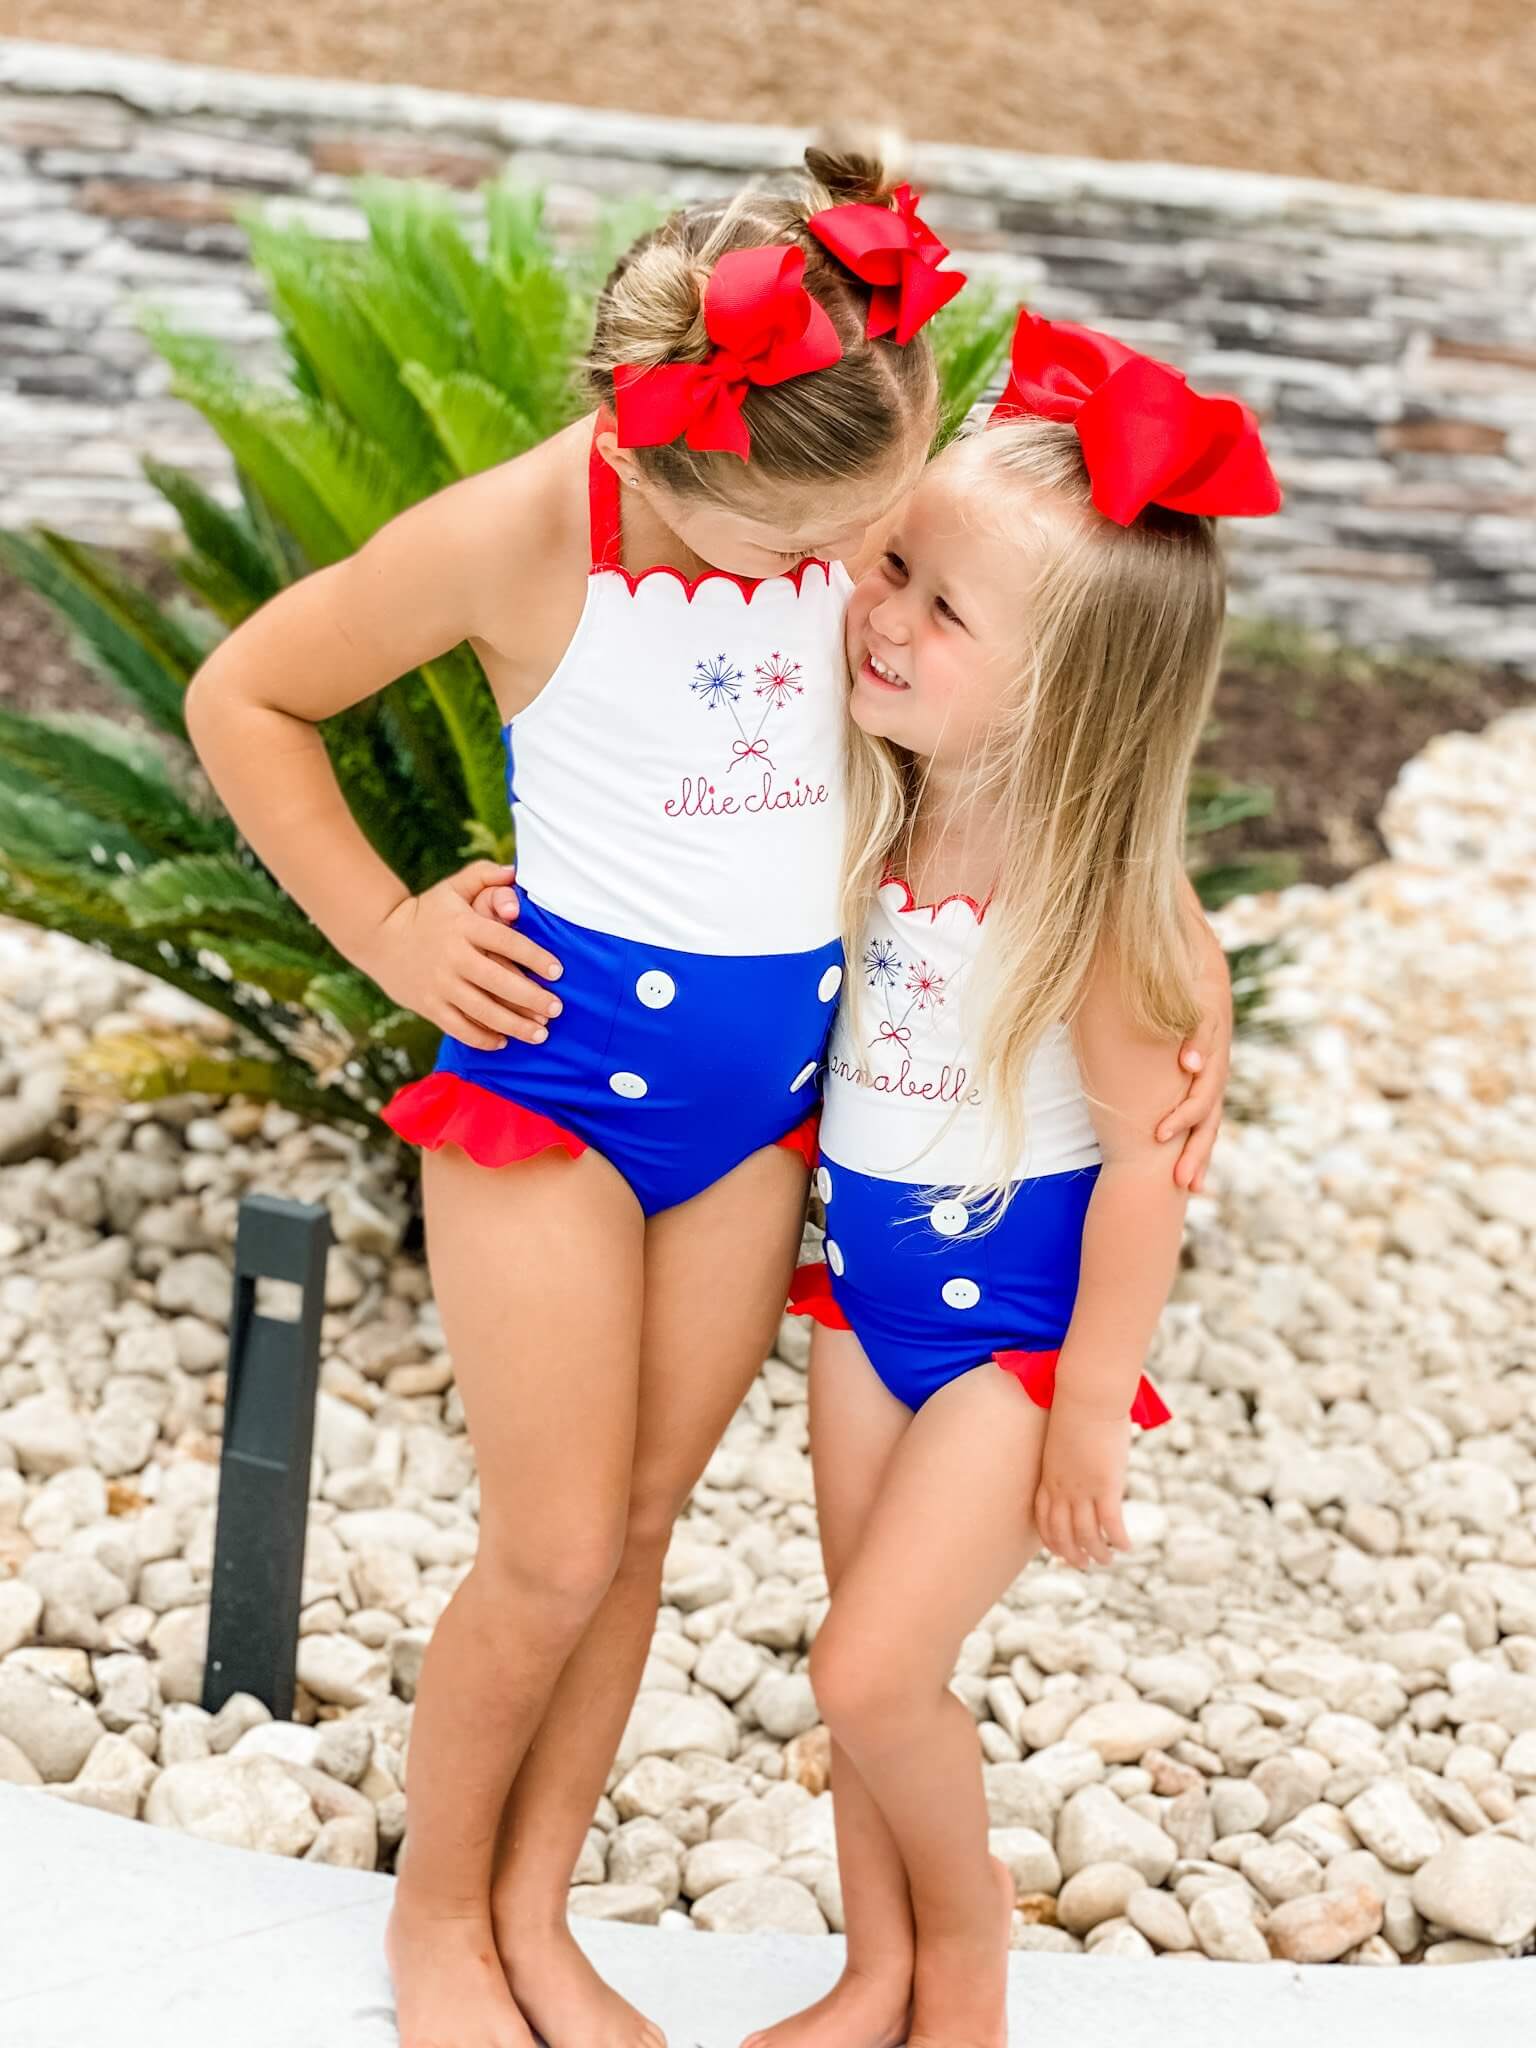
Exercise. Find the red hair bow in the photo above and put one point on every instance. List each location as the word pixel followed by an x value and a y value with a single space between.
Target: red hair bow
pixel 1147 438
pixel 766 328
pixel 898 254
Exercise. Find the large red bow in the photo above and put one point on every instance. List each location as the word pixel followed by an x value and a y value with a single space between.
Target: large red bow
pixel 766 328
pixel 1147 438
pixel 898 254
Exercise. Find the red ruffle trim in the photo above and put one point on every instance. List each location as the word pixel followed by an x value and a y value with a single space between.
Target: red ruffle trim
pixel 805 1139
pixel 810 1294
pixel 1035 1372
pixel 445 1109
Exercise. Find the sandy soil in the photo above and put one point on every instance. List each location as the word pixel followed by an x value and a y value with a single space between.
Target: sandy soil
pixel 1426 95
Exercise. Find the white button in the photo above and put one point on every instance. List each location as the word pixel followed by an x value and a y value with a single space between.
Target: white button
pixel 805 1074
pixel 949 1218
pixel 655 989
pixel 961 1293
pixel 829 984
pixel 629 1085
pixel 823 1183
pixel 835 1256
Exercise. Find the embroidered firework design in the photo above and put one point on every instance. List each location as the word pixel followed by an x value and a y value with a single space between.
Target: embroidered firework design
pixel 778 680
pixel 925 985
pixel 718 682
pixel 882 964
pixel 921 985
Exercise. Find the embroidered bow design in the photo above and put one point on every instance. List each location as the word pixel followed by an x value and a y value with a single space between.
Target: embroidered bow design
pixel 891 1033
pixel 766 328
pixel 898 255
pixel 1147 438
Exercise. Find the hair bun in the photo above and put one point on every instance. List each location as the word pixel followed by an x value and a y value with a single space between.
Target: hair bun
pixel 853 172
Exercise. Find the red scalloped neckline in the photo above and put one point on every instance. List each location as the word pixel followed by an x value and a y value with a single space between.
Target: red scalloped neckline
pixel 749 586
pixel 977 910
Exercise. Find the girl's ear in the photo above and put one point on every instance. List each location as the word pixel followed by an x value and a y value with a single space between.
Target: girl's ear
pixel 618 459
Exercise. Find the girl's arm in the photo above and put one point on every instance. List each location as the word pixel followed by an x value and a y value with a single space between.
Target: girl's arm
pixel 461 565
pixel 1207 1057
pixel 1129 1257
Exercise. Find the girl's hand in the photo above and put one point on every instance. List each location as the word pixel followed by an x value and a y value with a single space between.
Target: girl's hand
pixel 1207 1059
pixel 450 962
pixel 1082 1482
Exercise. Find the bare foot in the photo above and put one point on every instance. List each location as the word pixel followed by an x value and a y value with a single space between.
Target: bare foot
pixel 860 2011
pixel 961 1984
pixel 449 1988
pixel 566 2001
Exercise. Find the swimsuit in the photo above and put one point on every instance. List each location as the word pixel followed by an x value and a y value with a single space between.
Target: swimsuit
pixel 677 791
pixel 904 1128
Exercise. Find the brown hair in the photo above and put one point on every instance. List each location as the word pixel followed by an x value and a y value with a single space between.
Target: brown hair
pixel 824 427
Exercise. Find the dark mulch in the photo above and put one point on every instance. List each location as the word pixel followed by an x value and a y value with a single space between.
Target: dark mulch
pixel 1326 730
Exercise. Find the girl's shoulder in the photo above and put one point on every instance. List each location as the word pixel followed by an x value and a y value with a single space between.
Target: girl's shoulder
pixel 528 514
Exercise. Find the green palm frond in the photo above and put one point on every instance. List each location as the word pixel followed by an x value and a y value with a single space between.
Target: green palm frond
pixel 185 895
pixel 227 562
pixel 147 1067
pixel 118 628
pixel 476 424
pixel 112 779
pixel 970 344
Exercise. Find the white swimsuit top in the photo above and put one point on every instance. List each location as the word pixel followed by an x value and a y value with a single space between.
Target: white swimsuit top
pixel 679 780
pixel 901 1105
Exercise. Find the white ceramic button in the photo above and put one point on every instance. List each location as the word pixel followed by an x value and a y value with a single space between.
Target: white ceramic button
pixel 961 1293
pixel 805 1074
pixel 949 1218
pixel 823 1183
pixel 655 989
pixel 829 984
pixel 628 1085
pixel 835 1256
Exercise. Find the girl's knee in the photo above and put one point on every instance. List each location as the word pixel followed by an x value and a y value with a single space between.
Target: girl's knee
pixel 557 1580
pixel 653 1513
pixel 857 1688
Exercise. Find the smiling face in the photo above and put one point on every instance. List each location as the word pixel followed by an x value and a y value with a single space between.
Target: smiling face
pixel 935 630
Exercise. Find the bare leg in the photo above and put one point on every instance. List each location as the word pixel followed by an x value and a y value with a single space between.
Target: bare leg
pixel 716 1272
pixel 547 1364
pixel 949 1532
pixel 855 1429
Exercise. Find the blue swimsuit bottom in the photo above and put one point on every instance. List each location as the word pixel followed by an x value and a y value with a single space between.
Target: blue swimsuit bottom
pixel 673 1066
pixel 929 1303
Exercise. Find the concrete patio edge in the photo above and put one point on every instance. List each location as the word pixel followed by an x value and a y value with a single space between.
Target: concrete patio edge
pixel 114 1930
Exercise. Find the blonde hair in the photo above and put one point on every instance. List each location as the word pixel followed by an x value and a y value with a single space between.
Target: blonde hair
pixel 1084 771
pixel 822 428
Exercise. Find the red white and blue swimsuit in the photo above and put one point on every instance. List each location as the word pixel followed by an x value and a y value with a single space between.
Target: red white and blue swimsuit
pixel 677 789
pixel 903 1129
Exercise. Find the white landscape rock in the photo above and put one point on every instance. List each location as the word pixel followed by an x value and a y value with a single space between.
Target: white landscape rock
pixel 1095 1828
pixel 1388 1819
pixel 1483 1888
pixel 666 1724
pixel 247 1802
pixel 1122 1731
pixel 776 1905
pixel 54 1728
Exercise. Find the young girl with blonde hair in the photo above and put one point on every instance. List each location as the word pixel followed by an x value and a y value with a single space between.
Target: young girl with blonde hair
pixel 616 1130
pixel 1033 658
